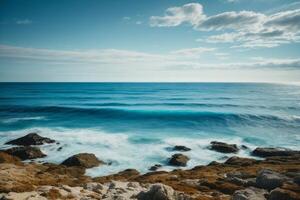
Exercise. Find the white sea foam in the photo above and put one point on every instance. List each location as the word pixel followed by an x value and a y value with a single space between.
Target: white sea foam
pixel 118 150
pixel 16 119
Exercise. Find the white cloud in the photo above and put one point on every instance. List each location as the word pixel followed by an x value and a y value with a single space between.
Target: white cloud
pixel 24 21
pixel 189 13
pixel 192 52
pixel 247 29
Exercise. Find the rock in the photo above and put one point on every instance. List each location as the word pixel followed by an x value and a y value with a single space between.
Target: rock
pixel 268 152
pixel 250 193
pixel 161 192
pixel 95 187
pixel 269 180
pixel 155 167
pixel 86 160
pixel 181 148
pixel 223 147
pixel 25 152
pixel 240 161
pixel 179 160
pixel 6 158
pixel 297 180
pixel 282 194
pixel 59 148
pixel 31 139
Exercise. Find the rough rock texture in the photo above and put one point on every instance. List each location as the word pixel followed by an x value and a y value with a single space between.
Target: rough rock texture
pixel 6 158
pixel 269 179
pixel 26 152
pixel 282 194
pixel 86 160
pixel 223 147
pixel 250 193
pixel 179 160
pixel 268 152
pixel 31 139
pixel 181 148
pixel 161 192
pixel 240 161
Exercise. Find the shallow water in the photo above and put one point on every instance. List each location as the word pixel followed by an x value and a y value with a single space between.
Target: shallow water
pixel 132 125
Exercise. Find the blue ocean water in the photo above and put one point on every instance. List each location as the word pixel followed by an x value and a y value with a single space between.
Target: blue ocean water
pixel 132 125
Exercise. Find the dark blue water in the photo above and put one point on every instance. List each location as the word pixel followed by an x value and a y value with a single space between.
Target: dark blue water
pixel 132 124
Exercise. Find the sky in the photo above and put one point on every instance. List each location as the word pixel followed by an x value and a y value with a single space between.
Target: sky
pixel 150 41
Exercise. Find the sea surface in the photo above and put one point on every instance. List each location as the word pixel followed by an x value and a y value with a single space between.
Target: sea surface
pixel 134 125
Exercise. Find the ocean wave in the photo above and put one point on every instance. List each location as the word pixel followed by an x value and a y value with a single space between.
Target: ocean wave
pixel 136 114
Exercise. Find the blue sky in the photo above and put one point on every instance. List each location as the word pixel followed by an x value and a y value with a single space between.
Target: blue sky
pixel 142 40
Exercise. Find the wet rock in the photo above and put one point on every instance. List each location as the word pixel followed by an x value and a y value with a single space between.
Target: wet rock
pixel 269 180
pixel 223 147
pixel 268 152
pixel 181 148
pixel 179 160
pixel 31 139
pixel 6 158
pixel 59 148
pixel 25 152
pixel 282 194
pixel 240 161
pixel 155 167
pixel 161 192
pixel 86 160
pixel 250 193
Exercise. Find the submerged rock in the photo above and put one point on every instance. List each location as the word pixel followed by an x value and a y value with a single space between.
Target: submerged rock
pixel 26 152
pixel 223 147
pixel 268 152
pixel 179 160
pixel 250 193
pixel 269 179
pixel 86 160
pixel 31 139
pixel 155 167
pixel 181 148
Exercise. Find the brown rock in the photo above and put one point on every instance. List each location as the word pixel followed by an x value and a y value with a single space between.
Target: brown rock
pixel 240 161
pixel 179 160
pixel 31 139
pixel 6 158
pixel 223 147
pixel 86 160
pixel 26 152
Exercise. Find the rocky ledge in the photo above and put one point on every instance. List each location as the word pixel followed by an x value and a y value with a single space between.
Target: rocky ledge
pixel 274 178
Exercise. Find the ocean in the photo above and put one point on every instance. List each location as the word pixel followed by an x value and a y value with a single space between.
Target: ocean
pixel 134 125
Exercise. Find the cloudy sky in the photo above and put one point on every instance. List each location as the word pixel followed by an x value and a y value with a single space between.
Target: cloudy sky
pixel 142 40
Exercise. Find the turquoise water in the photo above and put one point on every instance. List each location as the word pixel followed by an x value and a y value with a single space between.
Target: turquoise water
pixel 131 125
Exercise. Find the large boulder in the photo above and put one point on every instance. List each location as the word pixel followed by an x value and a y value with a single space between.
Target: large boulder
pixel 250 193
pixel 86 160
pixel 269 180
pixel 282 194
pixel 31 139
pixel 161 192
pixel 26 152
pixel 268 152
pixel 179 160
pixel 181 148
pixel 223 147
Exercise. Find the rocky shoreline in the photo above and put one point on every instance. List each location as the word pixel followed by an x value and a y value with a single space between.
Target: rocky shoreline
pixel 275 177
